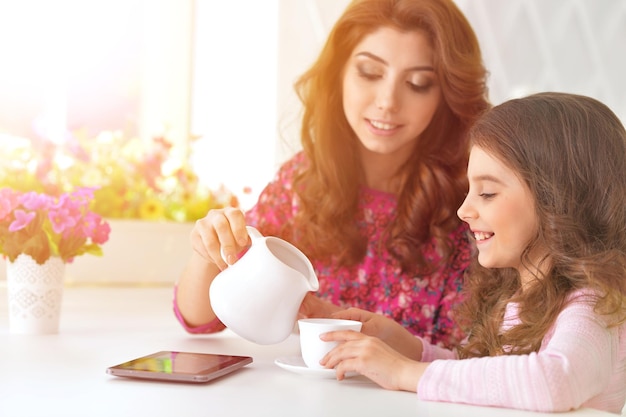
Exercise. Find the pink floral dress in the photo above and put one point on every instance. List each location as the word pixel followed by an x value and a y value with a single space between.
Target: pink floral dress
pixel 421 303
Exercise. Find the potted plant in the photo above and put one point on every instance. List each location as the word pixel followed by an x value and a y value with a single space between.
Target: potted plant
pixel 39 234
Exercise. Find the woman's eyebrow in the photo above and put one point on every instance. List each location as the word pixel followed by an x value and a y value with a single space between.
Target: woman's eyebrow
pixel 382 61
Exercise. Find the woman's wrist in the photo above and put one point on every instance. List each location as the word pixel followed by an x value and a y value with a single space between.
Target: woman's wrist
pixel 406 343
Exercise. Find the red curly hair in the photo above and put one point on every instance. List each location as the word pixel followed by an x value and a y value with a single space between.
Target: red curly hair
pixel 433 178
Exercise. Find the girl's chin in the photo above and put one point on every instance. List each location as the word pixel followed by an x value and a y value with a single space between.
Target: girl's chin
pixel 485 262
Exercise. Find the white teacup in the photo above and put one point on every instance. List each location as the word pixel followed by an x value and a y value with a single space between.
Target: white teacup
pixel 313 348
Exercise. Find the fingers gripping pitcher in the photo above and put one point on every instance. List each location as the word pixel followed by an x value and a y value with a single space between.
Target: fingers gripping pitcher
pixel 258 297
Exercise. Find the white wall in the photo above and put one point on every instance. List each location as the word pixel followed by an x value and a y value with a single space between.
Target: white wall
pixel 234 94
pixel 577 46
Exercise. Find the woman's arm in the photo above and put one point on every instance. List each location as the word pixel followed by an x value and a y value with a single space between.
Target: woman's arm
pixel 220 235
pixel 387 330
pixel 192 292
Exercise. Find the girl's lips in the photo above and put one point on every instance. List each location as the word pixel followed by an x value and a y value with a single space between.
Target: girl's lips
pixel 482 236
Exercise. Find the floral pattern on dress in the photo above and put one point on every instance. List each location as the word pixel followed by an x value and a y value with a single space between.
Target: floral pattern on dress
pixel 421 303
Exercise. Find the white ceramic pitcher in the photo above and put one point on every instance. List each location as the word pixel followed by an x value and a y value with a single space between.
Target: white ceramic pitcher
pixel 258 297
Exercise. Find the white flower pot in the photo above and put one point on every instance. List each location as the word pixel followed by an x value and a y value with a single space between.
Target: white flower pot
pixel 35 293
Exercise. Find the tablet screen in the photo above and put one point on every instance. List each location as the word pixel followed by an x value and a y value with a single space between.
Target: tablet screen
pixel 180 366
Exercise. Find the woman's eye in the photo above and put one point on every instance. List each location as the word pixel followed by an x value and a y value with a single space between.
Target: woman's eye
pixel 368 75
pixel 419 88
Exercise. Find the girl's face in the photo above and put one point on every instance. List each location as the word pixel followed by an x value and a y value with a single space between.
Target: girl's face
pixel 500 212
pixel 390 90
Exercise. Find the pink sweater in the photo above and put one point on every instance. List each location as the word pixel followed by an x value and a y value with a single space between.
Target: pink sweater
pixel 581 363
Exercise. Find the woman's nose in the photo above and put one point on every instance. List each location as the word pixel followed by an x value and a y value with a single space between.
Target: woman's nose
pixel 387 97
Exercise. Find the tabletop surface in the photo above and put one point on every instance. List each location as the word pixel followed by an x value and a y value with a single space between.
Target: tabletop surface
pixel 65 374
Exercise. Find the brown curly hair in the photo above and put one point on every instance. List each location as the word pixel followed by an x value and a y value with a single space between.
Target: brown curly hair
pixel 433 178
pixel 570 151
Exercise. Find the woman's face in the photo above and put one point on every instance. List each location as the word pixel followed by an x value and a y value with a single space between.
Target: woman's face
pixel 390 90
pixel 500 211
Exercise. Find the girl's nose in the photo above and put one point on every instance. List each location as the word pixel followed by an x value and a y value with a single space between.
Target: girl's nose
pixel 466 212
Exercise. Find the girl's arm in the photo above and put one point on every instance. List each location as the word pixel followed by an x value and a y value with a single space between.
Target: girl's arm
pixel 576 363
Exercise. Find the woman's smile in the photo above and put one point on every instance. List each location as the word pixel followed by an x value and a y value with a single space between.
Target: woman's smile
pixel 390 91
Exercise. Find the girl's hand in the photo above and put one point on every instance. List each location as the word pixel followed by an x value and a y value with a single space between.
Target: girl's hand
pixel 371 357
pixel 385 329
pixel 220 236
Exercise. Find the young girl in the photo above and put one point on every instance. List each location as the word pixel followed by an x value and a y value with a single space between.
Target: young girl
pixel 372 197
pixel 545 308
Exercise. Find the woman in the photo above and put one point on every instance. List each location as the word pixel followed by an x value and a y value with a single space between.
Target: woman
pixel 371 198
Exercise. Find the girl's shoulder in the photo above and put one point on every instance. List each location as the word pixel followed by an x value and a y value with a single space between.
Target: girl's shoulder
pixel 586 297
pixel 583 302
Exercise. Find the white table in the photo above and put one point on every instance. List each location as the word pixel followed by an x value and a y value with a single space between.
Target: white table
pixel 64 374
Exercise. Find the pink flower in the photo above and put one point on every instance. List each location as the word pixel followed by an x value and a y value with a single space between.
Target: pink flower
pixel 8 201
pixel 5 208
pixel 94 227
pixel 43 225
pixel 22 219
pixel 101 233
pixel 35 201
pixel 61 220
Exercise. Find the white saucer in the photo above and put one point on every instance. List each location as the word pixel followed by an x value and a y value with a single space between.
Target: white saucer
pixel 296 364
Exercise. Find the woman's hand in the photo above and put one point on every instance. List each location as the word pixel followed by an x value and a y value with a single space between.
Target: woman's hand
pixel 385 329
pixel 373 358
pixel 220 236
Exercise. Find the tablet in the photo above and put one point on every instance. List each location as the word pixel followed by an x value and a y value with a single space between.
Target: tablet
pixel 180 366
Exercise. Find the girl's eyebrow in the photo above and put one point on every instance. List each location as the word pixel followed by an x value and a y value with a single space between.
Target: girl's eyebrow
pixel 487 177
pixel 382 61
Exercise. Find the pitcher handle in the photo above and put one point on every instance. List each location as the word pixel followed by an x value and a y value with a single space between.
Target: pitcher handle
pixel 253 233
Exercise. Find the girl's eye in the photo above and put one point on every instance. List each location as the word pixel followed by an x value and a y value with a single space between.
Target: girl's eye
pixel 487 196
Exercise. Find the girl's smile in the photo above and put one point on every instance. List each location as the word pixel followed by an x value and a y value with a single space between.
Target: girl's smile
pixel 500 211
